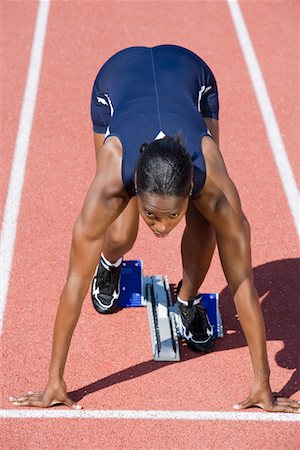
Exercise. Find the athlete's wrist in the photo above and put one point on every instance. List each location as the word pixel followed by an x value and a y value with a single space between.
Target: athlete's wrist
pixel 262 377
pixel 55 374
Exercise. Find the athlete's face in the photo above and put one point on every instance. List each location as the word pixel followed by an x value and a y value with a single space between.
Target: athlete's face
pixel 162 214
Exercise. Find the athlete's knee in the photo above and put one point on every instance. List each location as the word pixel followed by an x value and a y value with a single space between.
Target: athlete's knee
pixel 115 241
pixel 122 240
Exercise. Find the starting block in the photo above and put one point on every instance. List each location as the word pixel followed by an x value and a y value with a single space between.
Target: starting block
pixel 131 285
pixel 163 315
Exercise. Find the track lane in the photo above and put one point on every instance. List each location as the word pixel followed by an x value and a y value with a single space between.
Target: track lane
pixel 15 52
pixel 18 167
pixel 276 46
pixel 116 434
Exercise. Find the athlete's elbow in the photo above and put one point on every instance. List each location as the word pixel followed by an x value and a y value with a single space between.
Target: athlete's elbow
pixel 231 216
pixel 245 227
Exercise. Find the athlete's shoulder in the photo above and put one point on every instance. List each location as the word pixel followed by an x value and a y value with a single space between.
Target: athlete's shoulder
pixel 123 54
pixel 178 49
pixel 117 63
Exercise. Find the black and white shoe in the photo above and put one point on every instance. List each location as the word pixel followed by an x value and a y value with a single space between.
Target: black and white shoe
pixel 196 327
pixel 106 287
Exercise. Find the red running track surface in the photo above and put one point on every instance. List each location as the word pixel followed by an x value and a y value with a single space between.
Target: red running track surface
pixel 110 365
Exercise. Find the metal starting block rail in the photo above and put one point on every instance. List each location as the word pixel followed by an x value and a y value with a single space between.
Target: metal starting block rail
pixel 164 318
pixel 163 325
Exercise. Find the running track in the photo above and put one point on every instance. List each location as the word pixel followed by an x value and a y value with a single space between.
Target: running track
pixel 109 366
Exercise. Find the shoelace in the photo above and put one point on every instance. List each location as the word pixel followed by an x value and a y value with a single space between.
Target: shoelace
pixel 190 314
pixel 109 279
pixel 197 311
pixel 201 312
pixel 192 311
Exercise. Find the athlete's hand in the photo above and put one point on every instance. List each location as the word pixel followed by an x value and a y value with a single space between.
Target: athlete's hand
pixel 54 394
pixel 262 396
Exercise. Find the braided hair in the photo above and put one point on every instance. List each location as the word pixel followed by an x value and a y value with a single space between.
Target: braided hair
pixel 164 168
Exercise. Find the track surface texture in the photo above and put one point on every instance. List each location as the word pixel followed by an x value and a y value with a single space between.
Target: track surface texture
pixel 110 365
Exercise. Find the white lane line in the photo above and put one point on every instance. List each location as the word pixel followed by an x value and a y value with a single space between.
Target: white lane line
pixel 14 194
pixel 281 159
pixel 147 415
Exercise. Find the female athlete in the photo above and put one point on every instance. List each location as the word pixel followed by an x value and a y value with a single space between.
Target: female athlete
pixel 166 97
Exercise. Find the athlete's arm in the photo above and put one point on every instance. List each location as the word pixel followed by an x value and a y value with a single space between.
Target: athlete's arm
pixel 104 202
pixel 219 202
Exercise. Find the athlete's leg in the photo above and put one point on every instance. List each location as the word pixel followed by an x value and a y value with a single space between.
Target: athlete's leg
pixel 197 247
pixel 119 239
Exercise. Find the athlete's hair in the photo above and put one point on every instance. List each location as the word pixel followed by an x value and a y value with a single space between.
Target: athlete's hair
pixel 164 168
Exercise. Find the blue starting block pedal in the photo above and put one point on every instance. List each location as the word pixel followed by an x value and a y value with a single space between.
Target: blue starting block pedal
pixel 164 318
pixel 131 284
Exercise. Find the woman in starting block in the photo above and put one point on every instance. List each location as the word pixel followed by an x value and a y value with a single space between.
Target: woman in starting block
pixel 155 120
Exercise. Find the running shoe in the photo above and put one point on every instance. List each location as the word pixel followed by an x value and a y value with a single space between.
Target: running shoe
pixel 106 287
pixel 196 327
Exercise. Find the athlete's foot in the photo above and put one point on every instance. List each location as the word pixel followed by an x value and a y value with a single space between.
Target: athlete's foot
pixel 196 327
pixel 106 286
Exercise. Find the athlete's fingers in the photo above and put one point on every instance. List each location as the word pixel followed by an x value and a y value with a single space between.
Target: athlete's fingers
pixel 40 403
pixel 279 404
pixel 19 398
pixel 28 396
pixel 281 408
pixel 43 399
pixel 290 401
pixel 282 401
pixel 35 395
pixel 30 402
pixel 68 402
pixel 24 396
pixel 245 404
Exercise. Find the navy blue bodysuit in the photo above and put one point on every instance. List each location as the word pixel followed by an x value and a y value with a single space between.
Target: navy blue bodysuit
pixel 142 94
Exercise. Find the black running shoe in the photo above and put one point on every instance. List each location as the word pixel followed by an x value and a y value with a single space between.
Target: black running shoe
pixel 196 327
pixel 106 287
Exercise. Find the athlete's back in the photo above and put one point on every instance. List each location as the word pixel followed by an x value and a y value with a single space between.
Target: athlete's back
pixel 142 93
